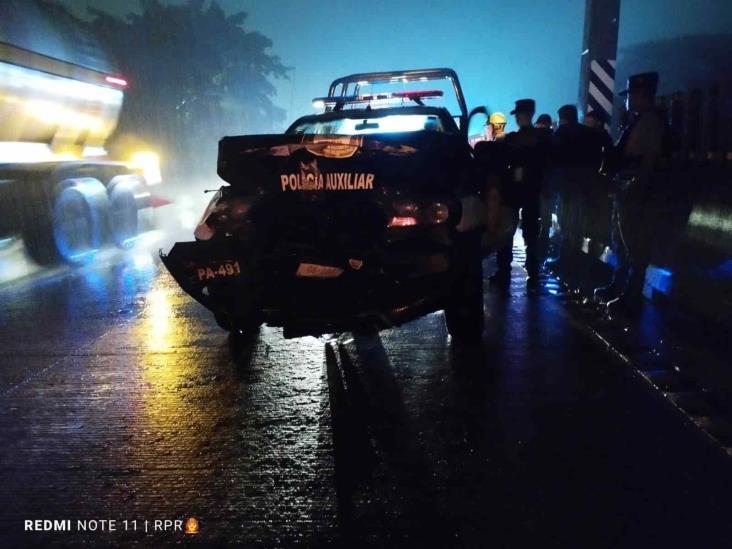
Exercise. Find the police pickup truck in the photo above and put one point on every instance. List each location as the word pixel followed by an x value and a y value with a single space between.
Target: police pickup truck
pixel 361 217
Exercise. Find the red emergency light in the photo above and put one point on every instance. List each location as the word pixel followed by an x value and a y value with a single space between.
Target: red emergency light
pixel 418 94
pixel 121 82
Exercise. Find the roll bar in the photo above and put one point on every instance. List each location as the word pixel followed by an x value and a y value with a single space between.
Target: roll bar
pixel 396 76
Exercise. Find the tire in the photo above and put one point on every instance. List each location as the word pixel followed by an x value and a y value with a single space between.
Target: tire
pixel 365 331
pixel 39 245
pixel 464 309
pixel 78 216
pixel 242 340
pixel 223 322
pixel 123 219
pixel 35 208
pixel 238 325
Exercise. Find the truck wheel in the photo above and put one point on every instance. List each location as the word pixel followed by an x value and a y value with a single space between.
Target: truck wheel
pixel 39 244
pixel 123 218
pixel 37 225
pixel 464 309
pixel 77 219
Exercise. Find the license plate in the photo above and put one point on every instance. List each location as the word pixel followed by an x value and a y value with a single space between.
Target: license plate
pixel 313 270
pixel 218 269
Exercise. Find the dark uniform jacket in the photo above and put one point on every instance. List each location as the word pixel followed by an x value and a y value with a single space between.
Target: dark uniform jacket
pixel 578 144
pixel 577 155
pixel 526 153
pixel 642 147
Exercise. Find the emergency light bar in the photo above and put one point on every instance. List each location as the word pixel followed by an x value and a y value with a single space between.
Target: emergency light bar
pixel 350 85
pixel 340 101
pixel 418 94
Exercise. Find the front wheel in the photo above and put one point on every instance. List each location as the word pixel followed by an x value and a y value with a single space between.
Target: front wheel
pixel 237 327
pixel 242 340
pixel 464 308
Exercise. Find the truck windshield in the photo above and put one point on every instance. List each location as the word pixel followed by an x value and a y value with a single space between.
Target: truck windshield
pixel 394 123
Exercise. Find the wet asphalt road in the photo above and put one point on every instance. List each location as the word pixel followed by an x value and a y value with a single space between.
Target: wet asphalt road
pixel 120 399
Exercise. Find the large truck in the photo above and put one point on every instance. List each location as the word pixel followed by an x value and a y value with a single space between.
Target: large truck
pixel 61 192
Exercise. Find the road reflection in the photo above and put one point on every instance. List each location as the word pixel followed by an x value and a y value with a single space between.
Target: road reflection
pixel 155 328
pixel 234 440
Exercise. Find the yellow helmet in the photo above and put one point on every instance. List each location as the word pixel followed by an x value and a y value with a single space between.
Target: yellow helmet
pixel 497 118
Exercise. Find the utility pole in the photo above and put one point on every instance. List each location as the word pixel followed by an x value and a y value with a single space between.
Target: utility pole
pixel 599 52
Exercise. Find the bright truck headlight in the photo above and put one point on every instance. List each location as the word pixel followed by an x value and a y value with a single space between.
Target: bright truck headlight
pixel 148 163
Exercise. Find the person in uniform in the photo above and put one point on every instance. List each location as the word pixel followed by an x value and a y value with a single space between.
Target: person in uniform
pixel 577 156
pixel 602 143
pixel 525 154
pixel 636 164
pixel 593 120
pixel 544 122
pixel 599 195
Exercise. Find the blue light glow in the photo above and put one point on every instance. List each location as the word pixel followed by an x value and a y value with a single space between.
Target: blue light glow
pixel 658 279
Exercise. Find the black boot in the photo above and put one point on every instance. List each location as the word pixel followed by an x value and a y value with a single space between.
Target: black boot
pixel 605 294
pixel 617 287
pixel 532 267
pixel 626 305
pixel 630 301
pixel 502 277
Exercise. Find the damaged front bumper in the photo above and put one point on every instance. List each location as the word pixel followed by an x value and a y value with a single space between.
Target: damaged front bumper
pixel 308 292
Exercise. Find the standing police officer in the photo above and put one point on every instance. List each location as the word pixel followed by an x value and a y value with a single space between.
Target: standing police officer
pixel 525 151
pixel 544 122
pixel 578 155
pixel 638 156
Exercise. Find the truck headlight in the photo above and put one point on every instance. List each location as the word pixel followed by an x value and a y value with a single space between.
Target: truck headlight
pixel 149 164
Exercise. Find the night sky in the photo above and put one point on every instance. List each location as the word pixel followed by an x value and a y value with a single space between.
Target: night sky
pixel 502 50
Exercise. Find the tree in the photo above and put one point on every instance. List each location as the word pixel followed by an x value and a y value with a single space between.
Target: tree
pixel 195 74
